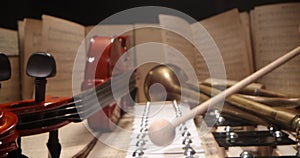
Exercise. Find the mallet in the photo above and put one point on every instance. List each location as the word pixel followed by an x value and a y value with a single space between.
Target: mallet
pixel 162 132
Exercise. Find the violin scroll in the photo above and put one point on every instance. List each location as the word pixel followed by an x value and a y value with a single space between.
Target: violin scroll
pixel 8 134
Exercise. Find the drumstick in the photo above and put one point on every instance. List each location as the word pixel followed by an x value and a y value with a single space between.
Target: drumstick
pixel 162 132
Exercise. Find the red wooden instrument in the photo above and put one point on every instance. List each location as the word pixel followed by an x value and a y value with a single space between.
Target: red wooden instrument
pixel 8 134
pixel 34 117
pixel 8 120
pixel 103 54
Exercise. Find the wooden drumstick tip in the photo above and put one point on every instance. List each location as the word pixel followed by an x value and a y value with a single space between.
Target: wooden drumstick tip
pixel 161 132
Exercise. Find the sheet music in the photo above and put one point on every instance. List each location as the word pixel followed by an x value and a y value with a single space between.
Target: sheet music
pixel 10 89
pixel 204 41
pixel 148 47
pixel 9 42
pixel 245 19
pixel 178 37
pixel 146 35
pixel 159 110
pixel 63 39
pixel 32 42
pixel 227 31
pixel 275 32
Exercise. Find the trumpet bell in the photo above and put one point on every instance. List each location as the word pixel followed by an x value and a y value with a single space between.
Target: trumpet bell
pixel 162 83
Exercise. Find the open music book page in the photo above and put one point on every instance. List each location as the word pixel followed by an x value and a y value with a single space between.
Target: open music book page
pixel 177 35
pixel 64 40
pixel 245 19
pixel 9 42
pixel 147 41
pixel 275 31
pixel 21 34
pixel 10 89
pixel 228 33
pixel 30 43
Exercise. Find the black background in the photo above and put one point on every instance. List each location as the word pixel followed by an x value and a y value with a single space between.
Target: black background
pixel 91 12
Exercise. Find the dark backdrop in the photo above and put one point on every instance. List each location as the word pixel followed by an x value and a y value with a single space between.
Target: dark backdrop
pixel 90 12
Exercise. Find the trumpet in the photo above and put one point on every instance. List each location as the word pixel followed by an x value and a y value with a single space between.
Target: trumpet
pixel 235 106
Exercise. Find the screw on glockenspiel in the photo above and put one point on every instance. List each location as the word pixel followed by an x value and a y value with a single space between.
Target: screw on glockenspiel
pixel 298 154
pixel 141 136
pixel 189 152
pixel 272 128
pixel 42 65
pixel 144 130
pixel 182 126
pixel 278 135
pixel 138 153
pixel 228 129
pixel 178 114
pixel 232 137
pixel 187 141
pixel 141 144
pixel 221 120
pixel 144 121
pixel 246 154
pixel 186 133
pixel 143 124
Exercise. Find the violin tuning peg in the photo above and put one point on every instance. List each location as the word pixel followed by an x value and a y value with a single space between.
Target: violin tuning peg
pixel 41 65
pixel 5 69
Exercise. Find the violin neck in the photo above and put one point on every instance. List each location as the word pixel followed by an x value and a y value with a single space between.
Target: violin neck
pixel 104 94
pixel 65 110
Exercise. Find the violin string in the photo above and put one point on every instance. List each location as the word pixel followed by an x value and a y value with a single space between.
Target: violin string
pixel 107 99
pixel 80 106
pixel 71 116
pixel 101 92
pixel 86 108
pixel 99 89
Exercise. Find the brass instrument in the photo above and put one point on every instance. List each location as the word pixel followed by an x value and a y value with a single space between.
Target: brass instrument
pixel 237 106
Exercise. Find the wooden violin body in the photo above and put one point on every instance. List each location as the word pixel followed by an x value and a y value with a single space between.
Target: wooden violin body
pixel 30 112
pixel 8 134
pixel 8 120
pixel 28 117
